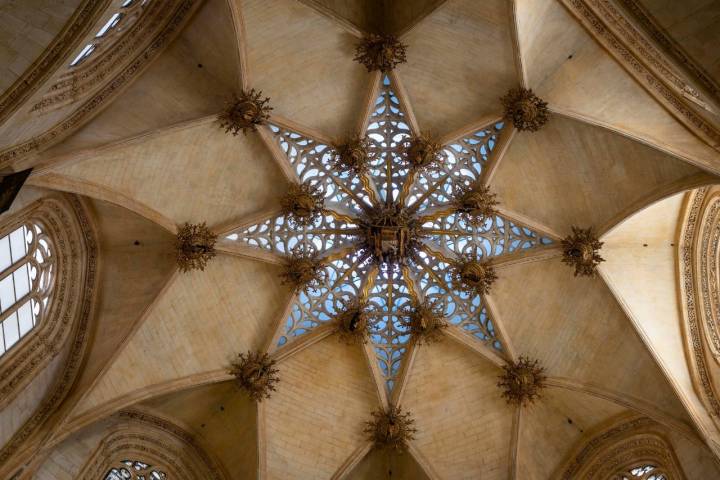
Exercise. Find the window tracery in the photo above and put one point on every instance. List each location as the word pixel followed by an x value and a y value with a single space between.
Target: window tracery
pixel 642 472
pixel 26 280
pixel 134 470
pixel 118 21
pixel 389 234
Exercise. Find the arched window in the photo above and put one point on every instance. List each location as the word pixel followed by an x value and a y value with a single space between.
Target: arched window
pixel 633 448
pixel 134 470
pixel 26 281
pixel 126 15
pixel 642 472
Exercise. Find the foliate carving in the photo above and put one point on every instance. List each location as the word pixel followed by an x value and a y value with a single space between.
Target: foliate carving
pixel 475 203
pixel 353 156
pixel 581 250
pixel 380 52
pixel 195 246
pixel 522 381
pixel 391 234
pixel 473 276
pixel 421 152
pixel 303 270
pixel 302 203
pixel 391 429
pixel 526 111
pixel 256 374
pixel 351 324
pixel 245 112
pixel 425 321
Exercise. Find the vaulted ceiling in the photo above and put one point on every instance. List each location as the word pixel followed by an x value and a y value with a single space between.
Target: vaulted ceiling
pixel 153 157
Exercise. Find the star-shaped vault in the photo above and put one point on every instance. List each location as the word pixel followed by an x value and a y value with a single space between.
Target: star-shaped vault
pixel 337 235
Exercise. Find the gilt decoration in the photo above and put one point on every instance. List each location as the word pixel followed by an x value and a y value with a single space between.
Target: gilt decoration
pixel 389 236
pixel 255 373
pixel 195 246
pixel 391 429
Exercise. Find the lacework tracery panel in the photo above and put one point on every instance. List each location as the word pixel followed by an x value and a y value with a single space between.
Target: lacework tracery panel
pixel 312 162
pixel 134 470
pixel 26 280
pixel 495 236
pixel 462 163
pixel 279 234
pixel 340 286
pixel 370 218
pixel 435 283
pixel 389 300
pixel 387 130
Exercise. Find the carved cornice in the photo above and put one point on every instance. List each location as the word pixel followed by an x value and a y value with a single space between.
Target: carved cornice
pixel 86 283
pixel 84 18
pixel 113 54
pixel 661 37
pixel 696 307
pixel 645 63
pixel 626 442
pixel 180 14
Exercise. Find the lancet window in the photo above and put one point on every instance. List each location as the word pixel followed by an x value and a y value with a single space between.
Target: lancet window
pixel 26 280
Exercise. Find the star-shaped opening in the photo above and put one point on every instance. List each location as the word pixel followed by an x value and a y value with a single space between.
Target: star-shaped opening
pixel 390 237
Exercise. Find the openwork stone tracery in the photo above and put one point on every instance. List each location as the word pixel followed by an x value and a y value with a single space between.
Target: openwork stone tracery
pixel 195 246
pixel 255 373
pixel 522 381
pixel 390 235
pixel 391 429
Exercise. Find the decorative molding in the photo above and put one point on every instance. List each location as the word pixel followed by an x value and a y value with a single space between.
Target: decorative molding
pixel 85 283
pixel 612 31
pixel 86 16
pixel 650 25
pixel 154 439
pixel 694 301
pixel 624 444
pixel 35 351
pixel 93 105
pixel 112 51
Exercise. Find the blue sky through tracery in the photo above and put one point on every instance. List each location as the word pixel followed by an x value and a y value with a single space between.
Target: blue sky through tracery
pixel 388 291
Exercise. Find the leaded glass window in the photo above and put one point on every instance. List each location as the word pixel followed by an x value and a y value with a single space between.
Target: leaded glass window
pixel 26 281
pixel 643 472
pixel 134 470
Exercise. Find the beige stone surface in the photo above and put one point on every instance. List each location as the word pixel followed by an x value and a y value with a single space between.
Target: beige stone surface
pixel 382 464
pixel 201 323
pixel 67 459
pixel 571 173
pixel 28 27
pixel 315 420
pixel 693 24
pixel 571 71
pixel 221 419
pixel 304 62
pixel 194 77
pixel 460 62
pixel 573 325
pixel 552 426
pixel 194 174
pixel 642 251
pixel 464 425
pixel 128 285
